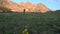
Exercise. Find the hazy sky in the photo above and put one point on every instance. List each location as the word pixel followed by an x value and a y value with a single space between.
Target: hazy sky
pixel 52 4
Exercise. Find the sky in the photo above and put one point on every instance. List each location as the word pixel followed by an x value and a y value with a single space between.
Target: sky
pixel 52 4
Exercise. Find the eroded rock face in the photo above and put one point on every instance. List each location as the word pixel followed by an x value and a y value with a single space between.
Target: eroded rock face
pixel 27 7
pixel 11 5
pixel 41 7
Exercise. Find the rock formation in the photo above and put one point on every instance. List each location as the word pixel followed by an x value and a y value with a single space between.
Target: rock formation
pixel 27 7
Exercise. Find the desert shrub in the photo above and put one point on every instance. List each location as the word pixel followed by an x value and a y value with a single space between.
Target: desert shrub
pixel 4 9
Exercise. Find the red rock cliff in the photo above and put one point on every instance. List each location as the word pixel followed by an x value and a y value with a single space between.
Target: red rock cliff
pixel 28 7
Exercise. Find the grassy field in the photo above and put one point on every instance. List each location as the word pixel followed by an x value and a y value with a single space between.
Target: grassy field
pixel 36 23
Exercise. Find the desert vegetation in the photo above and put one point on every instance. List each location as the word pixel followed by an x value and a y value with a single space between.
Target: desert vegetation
pixel 4 9
pixel 34 23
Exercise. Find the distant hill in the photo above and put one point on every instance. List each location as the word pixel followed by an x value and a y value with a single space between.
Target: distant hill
pixel 27 7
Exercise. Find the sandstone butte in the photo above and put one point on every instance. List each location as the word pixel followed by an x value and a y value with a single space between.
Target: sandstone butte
pixel 27 7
